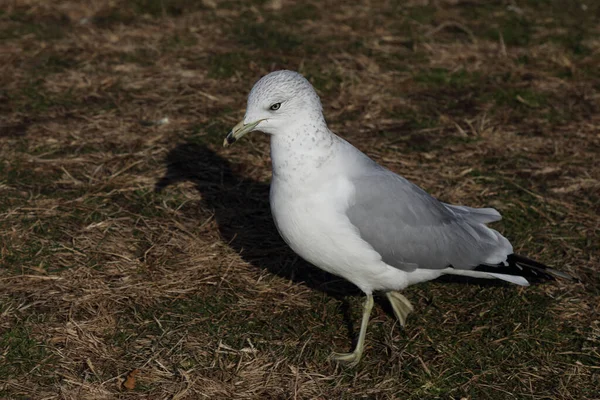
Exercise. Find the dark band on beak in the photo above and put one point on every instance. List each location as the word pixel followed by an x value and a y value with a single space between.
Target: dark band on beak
pixel 240 130
pixel 230 138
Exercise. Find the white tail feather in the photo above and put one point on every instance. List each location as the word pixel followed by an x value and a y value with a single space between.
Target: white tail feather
pixel 517 280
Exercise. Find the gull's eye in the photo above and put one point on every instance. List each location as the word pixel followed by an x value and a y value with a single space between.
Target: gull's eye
pixel 275 107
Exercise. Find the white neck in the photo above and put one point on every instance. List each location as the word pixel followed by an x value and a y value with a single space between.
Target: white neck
pixel 298 152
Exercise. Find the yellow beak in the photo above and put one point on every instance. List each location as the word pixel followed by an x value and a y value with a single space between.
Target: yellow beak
pixel 240 130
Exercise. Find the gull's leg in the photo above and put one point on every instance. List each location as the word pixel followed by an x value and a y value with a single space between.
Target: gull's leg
pixel 401 306
pixel 353 358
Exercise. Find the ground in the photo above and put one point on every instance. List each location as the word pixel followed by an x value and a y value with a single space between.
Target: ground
pixel 138 258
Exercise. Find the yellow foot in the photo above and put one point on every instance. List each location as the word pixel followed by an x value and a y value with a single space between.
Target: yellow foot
pixel 352 359
pixel 400 305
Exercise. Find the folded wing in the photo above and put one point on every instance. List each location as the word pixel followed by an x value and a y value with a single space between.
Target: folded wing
pixel 411 229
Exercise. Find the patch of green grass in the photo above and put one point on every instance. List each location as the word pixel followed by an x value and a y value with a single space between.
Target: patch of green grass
pixel 212 133
pixel 267 328
pixel 518 28
pixel 33 97
pixel 296 13
pixel 37 248
pixel 267 36
pixel 436 77
pixel 144 202
pixel 325 80
pixel 179 40
pixel 170 8
pixel 114 16
pixel 158 321
pixel 406 134
pixel 19 353
pixel 448 140
pixel 49 62
pixel 407 57
pixel 479 11
pixel 515 30
pixel 141 56
pixel 422 14
pixel 58 63
pixel 573 41
pixel 156 8
pixel 226 65
pixel 22 177
pixel 499 326
pixel 557 116
pixel 14 259
pixel 490 24
pixel 21 24
pixel 523 59
pixel 517 98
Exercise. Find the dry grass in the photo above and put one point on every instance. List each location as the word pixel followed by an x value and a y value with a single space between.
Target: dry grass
pixel 127 244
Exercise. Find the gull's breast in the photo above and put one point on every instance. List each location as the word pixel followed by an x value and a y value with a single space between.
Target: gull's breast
pixel 314 224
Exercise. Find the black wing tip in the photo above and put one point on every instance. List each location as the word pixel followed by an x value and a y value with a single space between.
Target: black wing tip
pixel 554 273
pixel 531 270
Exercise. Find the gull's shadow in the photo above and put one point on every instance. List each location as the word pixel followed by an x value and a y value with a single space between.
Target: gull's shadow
pixel 242 212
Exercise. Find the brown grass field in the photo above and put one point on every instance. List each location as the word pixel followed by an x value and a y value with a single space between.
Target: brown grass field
pixel 138 258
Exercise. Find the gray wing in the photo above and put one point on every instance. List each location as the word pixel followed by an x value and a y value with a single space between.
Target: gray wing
pixel 411 229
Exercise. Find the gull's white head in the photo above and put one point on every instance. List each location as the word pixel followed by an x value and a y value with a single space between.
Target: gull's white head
pixel 276 103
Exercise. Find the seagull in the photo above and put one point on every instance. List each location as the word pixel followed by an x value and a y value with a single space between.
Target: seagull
pixel 342 212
